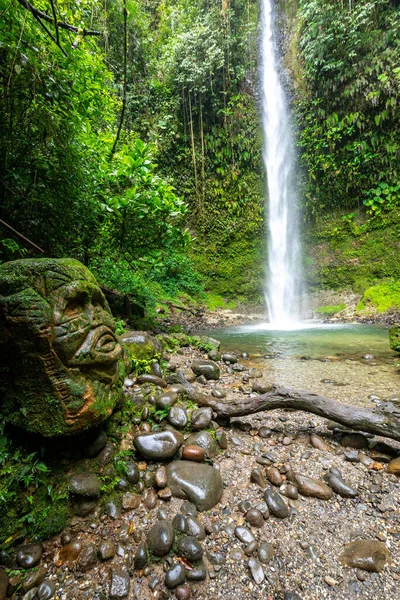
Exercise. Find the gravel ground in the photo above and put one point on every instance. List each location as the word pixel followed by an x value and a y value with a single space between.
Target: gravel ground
pixel 307 546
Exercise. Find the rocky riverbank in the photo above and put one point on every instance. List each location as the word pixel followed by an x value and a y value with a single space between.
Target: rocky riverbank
pixel 168 503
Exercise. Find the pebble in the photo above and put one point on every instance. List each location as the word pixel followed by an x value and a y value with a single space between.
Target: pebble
pixel 161 477
pixel 160 538
pixel 256 570
pixel 177 417
pixel 354 440
pixel 276 503
pixel 194 453
pixel 255 518
pixel 339 486
pixel 308 486
pixel 84 484
pixel 318 443
pixel 198 573
pixel 244 535
pixel 87 558
pixel 175 576
pixel 265 552
pixel 368 555
pixel 257 476
pixel 107 550
pixel 394 467
pixel 195 528
pixel 330 581
pixel 189 547
pixel 46 590
pixel 140 559
pixel 182 592
pixel 201 419
pixel 29 556
pixel 274 476
pixel 119 584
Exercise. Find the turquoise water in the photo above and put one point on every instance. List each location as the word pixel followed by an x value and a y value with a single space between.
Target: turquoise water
pixel 310 340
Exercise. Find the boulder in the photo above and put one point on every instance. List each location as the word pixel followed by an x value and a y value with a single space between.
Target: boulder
pixel 208 368
pixel 140 345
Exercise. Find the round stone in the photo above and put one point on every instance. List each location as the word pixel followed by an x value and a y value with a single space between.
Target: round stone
pixel 160 538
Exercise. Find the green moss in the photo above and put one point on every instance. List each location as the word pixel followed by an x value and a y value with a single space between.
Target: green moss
pixel 394 338
pixel 380 298
pixel 329 311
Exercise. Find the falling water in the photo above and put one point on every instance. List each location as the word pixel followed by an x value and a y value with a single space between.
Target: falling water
pixel 284 262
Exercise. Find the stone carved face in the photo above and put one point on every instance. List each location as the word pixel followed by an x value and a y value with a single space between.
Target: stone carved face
pixel 60 359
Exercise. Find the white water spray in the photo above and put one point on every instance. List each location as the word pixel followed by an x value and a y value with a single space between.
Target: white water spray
pixel 284 259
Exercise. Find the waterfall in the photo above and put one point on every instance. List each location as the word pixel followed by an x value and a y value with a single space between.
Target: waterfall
pixel 284 250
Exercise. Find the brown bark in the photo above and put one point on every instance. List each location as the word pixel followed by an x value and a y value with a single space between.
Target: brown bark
pixel 386 424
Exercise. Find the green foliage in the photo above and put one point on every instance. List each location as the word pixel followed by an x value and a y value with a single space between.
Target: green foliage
pixel 329 311
pixel 380 298
pixel 348 109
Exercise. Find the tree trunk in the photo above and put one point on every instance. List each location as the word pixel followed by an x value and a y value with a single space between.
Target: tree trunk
pixel 386 424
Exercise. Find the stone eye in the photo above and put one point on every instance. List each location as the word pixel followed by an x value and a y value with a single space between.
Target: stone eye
pixel 76 303
pixel 99 299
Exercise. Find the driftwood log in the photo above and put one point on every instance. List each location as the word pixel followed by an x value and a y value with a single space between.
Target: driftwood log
pixel 385 423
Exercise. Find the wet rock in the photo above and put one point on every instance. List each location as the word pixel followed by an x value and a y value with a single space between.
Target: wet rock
pixel 264 432
pixel 339 486
pixel 190 548
pixel 182 592
pixel 318 443
pixel 352 456
pixel 160 538
pixel 200 483
pixel 291 491
pixel 368 555
pixel 31 595
pixel 198 573
pixel 214 355
pixel 162 445
pixel 276 503
pixel 274 476
pixel 120 584
pixel 46 590
pixel 260 386
pixel 194 528
pixel 222 439
pixel 292 596
pixel 111 509
pixel 208 368
pixel 254 518
pixel 29 556
pixel 87 558
pixel 69 553
pixel 157 381
pixel 204 440
pixel 229 358
pixel 194 453
pixel 94 443
pixel 175 576
pixel 139 345
pixel 131 501
pixel 394 467
pixel 140 559
pixel 256 570
pixel 82 506
pixel 308 486
pixel 179 523
pixel 33 579
pixel 265 552
pixel 165 494
pixel 106 550
pixel 84 484
pixel 354 440
pixel 217 393
pixel 161 477
pixel 166 400
pixel 202 380
pixel 177 417
pixel 201 419
pixel 257 476
pixel 244 535
pixel 150 498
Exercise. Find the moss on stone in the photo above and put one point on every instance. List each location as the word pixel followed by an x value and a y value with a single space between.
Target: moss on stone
pixel 329 311
pixel 394 337
pixel 380 298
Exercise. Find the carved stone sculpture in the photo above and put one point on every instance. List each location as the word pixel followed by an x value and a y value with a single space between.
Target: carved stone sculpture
pixel 61 364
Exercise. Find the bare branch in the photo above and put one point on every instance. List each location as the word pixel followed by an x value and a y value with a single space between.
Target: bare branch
pixel 53 21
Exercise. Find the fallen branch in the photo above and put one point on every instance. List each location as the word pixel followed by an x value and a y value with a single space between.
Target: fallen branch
pixel 184 308
pixel 354 417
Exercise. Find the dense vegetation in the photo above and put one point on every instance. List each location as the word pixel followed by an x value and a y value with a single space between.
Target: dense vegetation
pixel 130 140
